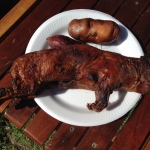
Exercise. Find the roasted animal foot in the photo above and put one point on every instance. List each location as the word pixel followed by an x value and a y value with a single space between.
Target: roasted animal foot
pixel 97 106
pixel 101 101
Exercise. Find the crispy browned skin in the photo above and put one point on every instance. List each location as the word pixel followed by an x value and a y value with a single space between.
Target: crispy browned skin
pixel 79 66
pixel 94 30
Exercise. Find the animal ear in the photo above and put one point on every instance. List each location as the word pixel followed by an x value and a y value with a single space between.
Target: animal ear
pixel 101 101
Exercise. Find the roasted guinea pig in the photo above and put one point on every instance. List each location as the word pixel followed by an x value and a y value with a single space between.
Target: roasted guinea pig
pixel 80 67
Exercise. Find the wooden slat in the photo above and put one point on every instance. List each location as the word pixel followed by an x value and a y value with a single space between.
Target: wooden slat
pixel 148 48
pixel 66 137
pixel 142 28
pixel 81 4
pixel 41 127
pixel 16 42
pixel 130 10
pixel 136 129
pixel 4 104
pixel 99 137
pixel 20 111
pixel 146 145
pixel 5 82
pixel 14 14
pixel 109 7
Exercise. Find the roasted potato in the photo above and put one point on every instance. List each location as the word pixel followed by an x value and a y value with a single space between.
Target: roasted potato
pixel 60 40
pixel 92 30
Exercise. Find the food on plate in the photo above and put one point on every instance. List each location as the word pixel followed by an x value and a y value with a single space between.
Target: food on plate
pixel 94 30
pixel 59 40
pixel 78 66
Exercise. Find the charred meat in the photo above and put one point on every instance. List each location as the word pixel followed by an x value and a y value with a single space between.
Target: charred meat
pixel 78 66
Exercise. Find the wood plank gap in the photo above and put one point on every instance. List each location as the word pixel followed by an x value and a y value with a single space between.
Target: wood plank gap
pixel 83 5
pixel 142 13
pixel 31 118
pixel 146 143
pixel 41 127
pixel 49 138
pixel 65 6
pixel 141 29
pixel 148 43
pixel 110 9
pixel 58 126
pixel 52 134
pixel 84 133
pixel 95 4
pixel 66 137
pixel 116 11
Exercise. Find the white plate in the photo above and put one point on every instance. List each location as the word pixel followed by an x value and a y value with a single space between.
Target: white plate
pixel 69 106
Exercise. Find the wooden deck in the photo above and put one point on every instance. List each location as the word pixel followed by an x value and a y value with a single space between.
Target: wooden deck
pixel 135 134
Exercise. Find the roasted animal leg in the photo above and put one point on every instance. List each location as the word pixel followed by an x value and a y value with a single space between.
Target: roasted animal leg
pixel 101 101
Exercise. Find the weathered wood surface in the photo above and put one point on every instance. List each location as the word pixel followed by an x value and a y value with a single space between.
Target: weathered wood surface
pixel 135 133
pixel 41 127
pixel 14 15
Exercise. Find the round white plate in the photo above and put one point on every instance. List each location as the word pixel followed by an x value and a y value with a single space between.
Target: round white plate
pixel 69 106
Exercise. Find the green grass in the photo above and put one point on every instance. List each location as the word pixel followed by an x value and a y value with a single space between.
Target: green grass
pixel 4 140
pixel 13 138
